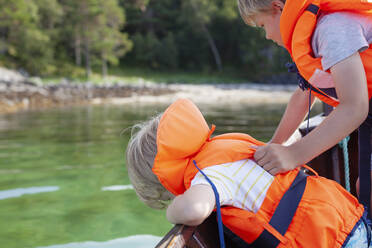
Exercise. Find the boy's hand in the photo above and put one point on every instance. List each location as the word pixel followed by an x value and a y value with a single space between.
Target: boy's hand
pixel 275 158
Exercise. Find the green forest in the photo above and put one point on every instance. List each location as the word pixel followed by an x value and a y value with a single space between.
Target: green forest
pixel 77 37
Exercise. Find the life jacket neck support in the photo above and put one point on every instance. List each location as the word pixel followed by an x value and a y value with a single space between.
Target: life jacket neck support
pixel 297 24
pixel 183 135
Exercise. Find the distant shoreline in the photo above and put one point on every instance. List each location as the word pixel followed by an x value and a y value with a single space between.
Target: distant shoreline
pixel 213 94
pixel 30 97
pixel 19 93
pixel 19 97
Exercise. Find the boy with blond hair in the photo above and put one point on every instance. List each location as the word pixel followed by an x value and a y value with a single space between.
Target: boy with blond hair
pixel 330 43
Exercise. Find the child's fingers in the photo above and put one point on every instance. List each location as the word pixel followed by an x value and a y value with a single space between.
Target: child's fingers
pixel 259 154
pixel 274 171
pixel 263 161
pixel 268 165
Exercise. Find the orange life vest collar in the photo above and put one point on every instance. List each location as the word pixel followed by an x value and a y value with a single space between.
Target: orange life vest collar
pixel 182 131
pixel 297 26
pixel 183 135
pixel 292 11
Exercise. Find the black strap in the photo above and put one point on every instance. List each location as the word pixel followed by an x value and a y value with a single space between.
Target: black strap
pixel 284 213
pixel 303 83
pixel 364 137
pixel 331 92
pixel 313 9
pixel 233 240
pixel 321 93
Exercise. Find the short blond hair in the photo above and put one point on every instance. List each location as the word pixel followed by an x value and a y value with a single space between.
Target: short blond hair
pixel 140 156
pixel 248 8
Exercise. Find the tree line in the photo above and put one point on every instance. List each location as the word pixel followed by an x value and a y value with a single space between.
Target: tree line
pixel 69 37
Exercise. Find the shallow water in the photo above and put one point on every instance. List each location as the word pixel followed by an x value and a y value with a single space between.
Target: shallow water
pixel 63 177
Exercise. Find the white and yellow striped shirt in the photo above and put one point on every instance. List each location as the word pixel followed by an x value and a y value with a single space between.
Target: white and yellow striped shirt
pixel 242 184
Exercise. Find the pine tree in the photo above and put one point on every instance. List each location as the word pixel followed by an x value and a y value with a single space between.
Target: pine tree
pixel 25 42
pixel 94 27
pixel 112 43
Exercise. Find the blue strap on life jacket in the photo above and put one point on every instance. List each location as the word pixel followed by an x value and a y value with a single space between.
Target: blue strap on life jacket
pixel 284 213
pixel 281 218
pixel 218 207
pixel 308 113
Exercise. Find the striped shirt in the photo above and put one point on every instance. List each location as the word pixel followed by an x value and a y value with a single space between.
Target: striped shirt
pixel 242 184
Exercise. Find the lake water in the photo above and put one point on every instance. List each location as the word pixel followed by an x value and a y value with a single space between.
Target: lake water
pixel 63 181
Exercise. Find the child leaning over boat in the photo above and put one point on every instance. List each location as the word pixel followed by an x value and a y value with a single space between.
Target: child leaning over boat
pixel 330 42
pixel 162 157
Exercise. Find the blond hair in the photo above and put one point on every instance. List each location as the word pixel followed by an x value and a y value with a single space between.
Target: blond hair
pixel 248 8
pixel 140 156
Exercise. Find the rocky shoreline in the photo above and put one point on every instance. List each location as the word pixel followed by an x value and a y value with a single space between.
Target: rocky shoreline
pixel 18 92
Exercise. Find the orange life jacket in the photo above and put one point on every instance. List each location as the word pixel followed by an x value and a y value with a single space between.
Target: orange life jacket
pixel 325 216
pixel 297 24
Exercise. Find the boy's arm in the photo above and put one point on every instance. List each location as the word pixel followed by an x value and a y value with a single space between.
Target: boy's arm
pixel 351 87
pixel 192 207
pixel 294 114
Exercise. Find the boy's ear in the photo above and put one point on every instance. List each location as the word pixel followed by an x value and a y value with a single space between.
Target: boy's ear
pixel 277 5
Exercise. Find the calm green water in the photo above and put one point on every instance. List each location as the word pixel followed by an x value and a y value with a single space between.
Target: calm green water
pixel 55 163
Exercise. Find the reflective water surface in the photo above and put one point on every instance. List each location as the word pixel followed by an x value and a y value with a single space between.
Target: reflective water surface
pixel 63 181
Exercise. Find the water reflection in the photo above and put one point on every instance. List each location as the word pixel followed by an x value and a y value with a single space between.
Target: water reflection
pixel 137 241
pixel 117 187
pixel 11 193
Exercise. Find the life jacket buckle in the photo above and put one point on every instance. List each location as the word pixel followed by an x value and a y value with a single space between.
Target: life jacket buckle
pixel 301 81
